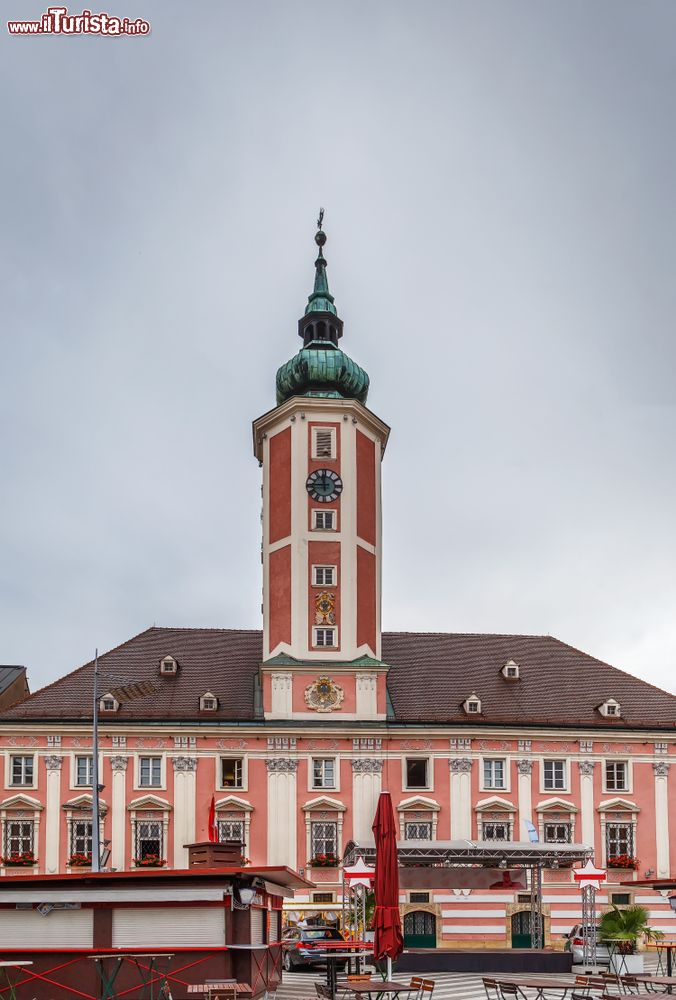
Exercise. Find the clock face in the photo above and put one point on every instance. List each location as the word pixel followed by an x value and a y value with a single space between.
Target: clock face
pixel 324 485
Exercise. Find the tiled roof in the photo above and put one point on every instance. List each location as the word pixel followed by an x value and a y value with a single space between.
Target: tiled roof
pixel 431 674
pixel 8 675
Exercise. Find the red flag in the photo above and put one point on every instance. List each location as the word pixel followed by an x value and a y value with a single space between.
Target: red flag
pixel 213 828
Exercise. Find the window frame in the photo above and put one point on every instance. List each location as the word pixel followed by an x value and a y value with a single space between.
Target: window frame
pixel 316 629
pixel 631 839
pixel 333 570
pixel 316 839
pixel 237 758
pixel 324 511
pixel 555 761
pixel 138 824
pixel 489 786
pixel 626 764
pixel 506 823
pixel 409 824
pixel 313 786
pixel 429 773
pixel 7 837
pixel 73 837
pixel 557 823
pixel 222 822
pixel 315 431
pixel 86 759
pixel 12 757
pixel 140 786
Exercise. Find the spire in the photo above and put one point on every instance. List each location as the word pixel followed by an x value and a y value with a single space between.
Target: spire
pixel 321 299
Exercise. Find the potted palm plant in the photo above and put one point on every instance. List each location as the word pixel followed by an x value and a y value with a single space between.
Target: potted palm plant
pixel 621 930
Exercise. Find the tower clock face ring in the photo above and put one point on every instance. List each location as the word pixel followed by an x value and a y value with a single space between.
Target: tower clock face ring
pixel 324 485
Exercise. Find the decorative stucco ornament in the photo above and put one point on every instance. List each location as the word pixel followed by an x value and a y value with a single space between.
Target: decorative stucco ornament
pixel 325 608
pixel 324 695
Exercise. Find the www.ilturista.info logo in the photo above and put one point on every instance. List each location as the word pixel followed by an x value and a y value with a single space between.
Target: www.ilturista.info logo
pixel 57 21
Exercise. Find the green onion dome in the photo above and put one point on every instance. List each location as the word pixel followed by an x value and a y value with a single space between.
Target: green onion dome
pixel 320 368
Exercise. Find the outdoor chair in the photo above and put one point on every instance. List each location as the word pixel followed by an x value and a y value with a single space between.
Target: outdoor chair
pixel 491 987
pixel 509 991
pixel 427 989
pixel 344 983
pixel 630 984
pixel 415 986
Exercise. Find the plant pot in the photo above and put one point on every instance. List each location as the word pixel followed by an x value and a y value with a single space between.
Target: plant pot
pixel 626 965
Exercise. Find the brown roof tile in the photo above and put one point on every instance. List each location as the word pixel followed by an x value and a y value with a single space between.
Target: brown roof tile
pixel 430 676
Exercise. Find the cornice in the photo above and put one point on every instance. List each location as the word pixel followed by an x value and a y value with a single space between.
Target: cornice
pixel 314 405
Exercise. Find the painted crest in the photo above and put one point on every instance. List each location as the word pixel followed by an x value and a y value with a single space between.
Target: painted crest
pixel 324 695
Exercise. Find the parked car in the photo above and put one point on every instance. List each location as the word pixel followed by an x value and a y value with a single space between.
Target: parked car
pixel 575 944
pixel 302 946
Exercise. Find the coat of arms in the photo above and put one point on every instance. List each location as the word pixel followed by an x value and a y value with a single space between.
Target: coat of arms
pixel 324 695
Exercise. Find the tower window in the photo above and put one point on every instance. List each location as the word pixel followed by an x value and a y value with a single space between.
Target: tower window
pixel 323 442
pixel 324 637
pixel 324 520
pixel 324 576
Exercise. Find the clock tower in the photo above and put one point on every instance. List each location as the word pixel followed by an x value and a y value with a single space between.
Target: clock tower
pixel 320 450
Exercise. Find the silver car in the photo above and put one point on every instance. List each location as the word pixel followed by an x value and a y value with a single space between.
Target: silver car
pixel 575 944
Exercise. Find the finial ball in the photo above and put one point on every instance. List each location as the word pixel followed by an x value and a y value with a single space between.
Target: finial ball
pixel 320 238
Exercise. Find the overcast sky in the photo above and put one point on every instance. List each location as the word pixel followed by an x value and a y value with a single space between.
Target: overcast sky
pixel 498 179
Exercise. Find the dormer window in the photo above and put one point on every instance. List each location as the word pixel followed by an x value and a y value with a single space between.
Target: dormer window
pixel 610 708
pixel 208 702
pixel 169 666
pixel 108 703
pixel 472 705
pixel 510 670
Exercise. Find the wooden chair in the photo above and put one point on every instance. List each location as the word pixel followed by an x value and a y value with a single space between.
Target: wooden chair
pixel 630 984
pixel 491 988
pixel 427 989
pixel 509 991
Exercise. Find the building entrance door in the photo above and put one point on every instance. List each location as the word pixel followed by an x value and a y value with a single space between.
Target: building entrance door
pixel 521 935
pixel 420 930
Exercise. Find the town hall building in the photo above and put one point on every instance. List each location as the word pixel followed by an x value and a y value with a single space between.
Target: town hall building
pixel 295 729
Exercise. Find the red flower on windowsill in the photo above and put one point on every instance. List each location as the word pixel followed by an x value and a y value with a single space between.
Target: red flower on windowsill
pixel 80 860
pixel 150 861
pixel 623 861
pixel 20 859
pixel 324 861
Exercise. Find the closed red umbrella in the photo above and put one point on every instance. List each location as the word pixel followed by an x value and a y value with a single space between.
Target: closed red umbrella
pixel 388 941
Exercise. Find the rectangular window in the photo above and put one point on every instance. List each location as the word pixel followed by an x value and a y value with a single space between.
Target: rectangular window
pixel 148 839
pixel 81 837
pixel 417 831
pixel 416 772
pixel 554 775
pixel 324 637
pixel 324 576
pixel 324 838
pixel 620 898
pixel 494 774
pixel 323 442
pixel 84 770
pixel 22 770
pixel 324 520
pixel 230 829
pixel 617 776
pixel 619 840
pixel 495 831
pixel 18 836
pixel 418 897
pixel 150 772
pixel 322 897
pixel 324 772
pixel 232 772
pixel 557 833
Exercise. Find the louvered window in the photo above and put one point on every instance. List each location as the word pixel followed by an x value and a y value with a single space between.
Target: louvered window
pixel 323 442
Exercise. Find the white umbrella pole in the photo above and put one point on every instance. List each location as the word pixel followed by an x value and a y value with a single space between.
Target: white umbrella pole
pixel 389 968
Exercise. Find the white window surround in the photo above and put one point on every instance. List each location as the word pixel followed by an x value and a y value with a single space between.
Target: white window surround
pixel 208 702
pixel 429 786
pixel 321 633
pixel 418 809
pixel 472 705
pixel 324 575
pixel 320 518
pixel 566 775
pixel 27 809
pixel 244 787
pixel 613 811
pixel 555 810
pixel 155 805
pixel 80 808
pixel 323 446
pixel 335 787
pixel 629 773
pixel 238 810
pixel 169 666
pixel 495 810
pixel 21 752
pixel 332 812
pixel 510 671
pixel 507 786
pixel 611 709
pixel 137 786
pixel 107 700
pixel 73 785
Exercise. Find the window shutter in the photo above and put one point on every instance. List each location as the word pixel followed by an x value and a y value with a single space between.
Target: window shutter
pixel 323 443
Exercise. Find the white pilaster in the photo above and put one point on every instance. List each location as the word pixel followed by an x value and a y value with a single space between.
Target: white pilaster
pixel 119 813
pixel 661 769
pixel 366 786
pixel 367 696
pixel 282 808
pixel 281 704
pixel 184 807
pixel 53 814
pixel 525 770
pixel 348 547
pixel 461 798
pixel 587 801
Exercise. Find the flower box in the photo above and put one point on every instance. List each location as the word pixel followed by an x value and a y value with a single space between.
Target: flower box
pixel 623 861
pixel 80 861
pixel 324 861
pixel 24 860
pixel 150 861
